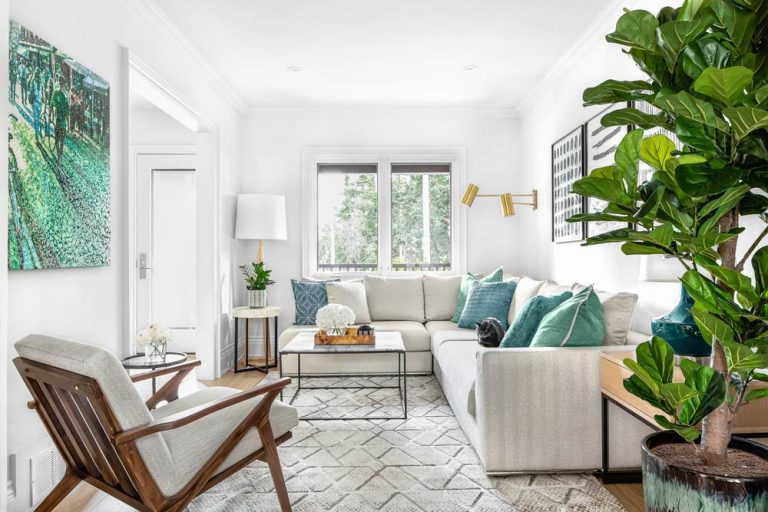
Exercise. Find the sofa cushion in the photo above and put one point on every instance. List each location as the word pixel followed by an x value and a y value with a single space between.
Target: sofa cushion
pixel 526 288
pixel 618 308
pixel 395 298
pixel 415 335
pixel 466 283
pixel 440 293
pixel 309 296
pixel 440 336
pixel 522 330
pixel 352 295
pixel 551 288
pixel 457 360
pixel 577 322
pixel 488 300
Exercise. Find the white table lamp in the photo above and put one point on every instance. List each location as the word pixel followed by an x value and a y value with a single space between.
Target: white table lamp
pixel 261 217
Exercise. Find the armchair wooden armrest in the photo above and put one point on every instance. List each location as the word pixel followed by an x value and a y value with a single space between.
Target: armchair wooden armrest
pixel 170 390
pixel 195 413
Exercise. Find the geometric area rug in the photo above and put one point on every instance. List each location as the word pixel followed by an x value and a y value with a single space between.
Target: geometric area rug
pixel 424 463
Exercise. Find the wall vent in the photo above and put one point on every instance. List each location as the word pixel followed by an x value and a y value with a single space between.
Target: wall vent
pixel 47 470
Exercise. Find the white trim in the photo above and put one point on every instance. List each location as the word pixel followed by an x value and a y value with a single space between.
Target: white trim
pixel 383 157
pixel 602 24
pixel 163 24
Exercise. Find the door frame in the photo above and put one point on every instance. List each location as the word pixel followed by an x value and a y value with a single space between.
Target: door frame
pixel 138 76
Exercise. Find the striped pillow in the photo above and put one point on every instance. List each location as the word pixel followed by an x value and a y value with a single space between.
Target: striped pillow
pixel 487 300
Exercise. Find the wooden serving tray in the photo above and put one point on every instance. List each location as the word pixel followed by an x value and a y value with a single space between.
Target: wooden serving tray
pixel 350 338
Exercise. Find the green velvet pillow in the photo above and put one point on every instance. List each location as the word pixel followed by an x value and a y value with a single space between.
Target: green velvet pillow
pixel 577 322
pixel 526 323
pixel 487 300
pixel 466 283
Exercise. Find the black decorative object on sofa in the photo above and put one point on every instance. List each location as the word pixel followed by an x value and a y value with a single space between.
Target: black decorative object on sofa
pixel 489 332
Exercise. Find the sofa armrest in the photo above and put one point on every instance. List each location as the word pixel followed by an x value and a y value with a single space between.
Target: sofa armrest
pixel 539 409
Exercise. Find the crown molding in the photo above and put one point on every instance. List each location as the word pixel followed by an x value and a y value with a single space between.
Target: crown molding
pixel 334 112
pixel 158 19
pixel 603 22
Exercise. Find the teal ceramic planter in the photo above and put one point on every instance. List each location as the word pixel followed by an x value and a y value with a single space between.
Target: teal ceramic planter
pixel 670 488
pixel 680 330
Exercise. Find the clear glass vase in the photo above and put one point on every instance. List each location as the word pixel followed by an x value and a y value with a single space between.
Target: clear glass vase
pixel 154 351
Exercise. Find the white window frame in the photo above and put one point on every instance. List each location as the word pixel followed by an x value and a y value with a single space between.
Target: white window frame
pixel 383 157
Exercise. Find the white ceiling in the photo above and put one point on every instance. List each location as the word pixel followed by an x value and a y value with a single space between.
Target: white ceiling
pixel 383 52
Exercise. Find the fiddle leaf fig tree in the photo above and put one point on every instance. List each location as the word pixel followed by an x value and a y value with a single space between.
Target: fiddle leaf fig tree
pixel 707 73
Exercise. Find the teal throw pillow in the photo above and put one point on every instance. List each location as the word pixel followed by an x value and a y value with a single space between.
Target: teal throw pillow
pixel 487 300
pixel 466 283
pixel 526 323
pixel 309 297
pixel 577 322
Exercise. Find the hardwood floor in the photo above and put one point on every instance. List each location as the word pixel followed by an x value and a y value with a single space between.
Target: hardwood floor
pixel 87 498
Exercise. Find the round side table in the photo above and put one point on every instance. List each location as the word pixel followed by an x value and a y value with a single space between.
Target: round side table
pixel 139 362
pixel 248 314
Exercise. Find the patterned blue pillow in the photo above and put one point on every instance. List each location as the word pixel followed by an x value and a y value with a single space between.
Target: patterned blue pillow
pixel 309 297
pixel 521 332
pixel 487 300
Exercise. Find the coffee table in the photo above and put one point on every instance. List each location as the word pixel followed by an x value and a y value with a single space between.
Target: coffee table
pixel 387 342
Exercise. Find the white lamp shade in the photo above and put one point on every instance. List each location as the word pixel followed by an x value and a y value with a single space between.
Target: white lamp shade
pixel 660 268
pixel 261 217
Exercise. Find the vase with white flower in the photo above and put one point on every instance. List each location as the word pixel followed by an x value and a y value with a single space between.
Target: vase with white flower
pixel 334 319
pixel 154 339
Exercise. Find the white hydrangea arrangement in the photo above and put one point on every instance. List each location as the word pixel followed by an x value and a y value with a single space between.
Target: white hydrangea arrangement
pixel 155 340
pixel 334 318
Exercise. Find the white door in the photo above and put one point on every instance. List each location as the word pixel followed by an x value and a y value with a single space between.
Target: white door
pixel 166 224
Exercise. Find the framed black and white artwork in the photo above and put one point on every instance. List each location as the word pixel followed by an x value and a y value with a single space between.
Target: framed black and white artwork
pixel 567 167
pixel 601 144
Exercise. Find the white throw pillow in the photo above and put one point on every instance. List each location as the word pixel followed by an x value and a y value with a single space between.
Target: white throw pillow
pixel 618 308
pixel 526 288
pixel 440 294
pixel 550 288
pixel 352 295
pixel 395 298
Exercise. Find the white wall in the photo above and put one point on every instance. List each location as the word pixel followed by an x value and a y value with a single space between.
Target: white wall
pixel 3 261
pixel 90 304
pixel 274 138
pixel 553 110
pixel 152 126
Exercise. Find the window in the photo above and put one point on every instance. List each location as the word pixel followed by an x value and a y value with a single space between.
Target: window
pixel 380 213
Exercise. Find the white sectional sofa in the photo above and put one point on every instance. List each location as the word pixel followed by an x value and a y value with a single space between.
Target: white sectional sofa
pixel 523 409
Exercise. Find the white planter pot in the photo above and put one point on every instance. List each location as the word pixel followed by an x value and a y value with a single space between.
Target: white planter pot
pixel 257 298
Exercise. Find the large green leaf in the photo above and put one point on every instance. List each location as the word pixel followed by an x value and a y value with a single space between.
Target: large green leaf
pixel 627 158
pixel 641 248
pixel 632 116
pixel 760 266
pixel 690 434
pixel 681 219
pixel 712 327
pixel 654 385
pixel 739 24
pixel 701 180
pixel 735 280
pixel 636 29
pixel 727 200
pixel 697 135
pixel 742 358
pixel 635 385
pixel 711 386
pixel 688 106
pixel 704 53
pixel 726 85
pixel 702 290
pixel 745 120
pixel 676 393
pixel 756 394
pixel 651 205
pixel 656 357
pixel 689 9
pixel 652 64
pixel 753 204
pixel 656 150
pixel 600 217
pixel 674 36
pixel 616 91
pixel 602 188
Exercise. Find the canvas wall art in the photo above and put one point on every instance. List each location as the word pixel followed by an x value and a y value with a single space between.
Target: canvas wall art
pixel 601 144
pixel 58 158
pixel 567 167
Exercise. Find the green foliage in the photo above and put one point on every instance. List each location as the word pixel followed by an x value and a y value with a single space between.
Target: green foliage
pixel 257 276
pixel 707 72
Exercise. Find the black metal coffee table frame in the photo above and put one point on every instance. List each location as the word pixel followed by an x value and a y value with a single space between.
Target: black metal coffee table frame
pixel 402 376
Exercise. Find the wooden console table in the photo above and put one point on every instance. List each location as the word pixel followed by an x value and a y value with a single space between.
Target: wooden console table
pixel 751 420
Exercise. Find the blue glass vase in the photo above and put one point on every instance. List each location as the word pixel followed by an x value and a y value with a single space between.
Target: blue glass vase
pixel 680 330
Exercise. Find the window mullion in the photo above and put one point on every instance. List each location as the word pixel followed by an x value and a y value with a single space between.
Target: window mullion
pixel 385 215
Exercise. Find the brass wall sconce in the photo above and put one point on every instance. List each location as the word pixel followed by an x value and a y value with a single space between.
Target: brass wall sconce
pixel 506 199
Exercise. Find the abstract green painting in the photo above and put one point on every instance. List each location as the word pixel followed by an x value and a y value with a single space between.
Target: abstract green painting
pixel 58 158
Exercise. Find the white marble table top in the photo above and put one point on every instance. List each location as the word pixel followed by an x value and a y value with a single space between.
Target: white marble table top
pixel 304 343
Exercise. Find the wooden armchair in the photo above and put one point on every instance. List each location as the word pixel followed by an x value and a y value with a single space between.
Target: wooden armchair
pixel 152 459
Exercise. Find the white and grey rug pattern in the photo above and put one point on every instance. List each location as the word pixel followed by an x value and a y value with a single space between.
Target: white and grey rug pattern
pixel 421 464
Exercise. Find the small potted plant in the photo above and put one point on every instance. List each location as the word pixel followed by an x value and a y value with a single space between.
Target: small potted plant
pixel 256 281
pixel 154 340
pixel 707 81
